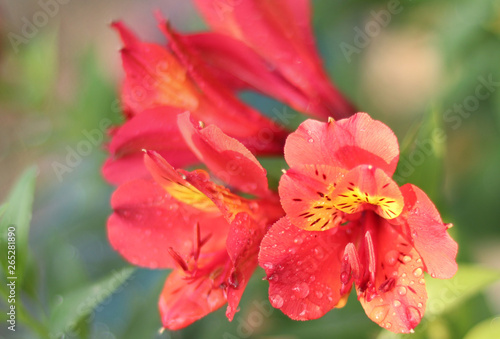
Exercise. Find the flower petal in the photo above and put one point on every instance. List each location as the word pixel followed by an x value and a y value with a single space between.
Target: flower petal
pixel 242 244
pixel 367 187
pixel 146 222
pixel 396 300
pixel 236 64
pixel 280 31
pixel 154 129
pixel 154 76
pixel 221 107
pixel 226 157
pixel 183 302
pixel 305 193
pixel 303 269
pixel 345 143
pixel 429 233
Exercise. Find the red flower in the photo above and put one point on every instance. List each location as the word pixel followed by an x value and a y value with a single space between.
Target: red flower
pixel 348 222
pixel 280 33
pixel 163 82
pixel 206 233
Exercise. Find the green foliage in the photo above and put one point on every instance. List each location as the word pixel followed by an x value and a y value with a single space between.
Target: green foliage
pixel 71 309
pixel 17 212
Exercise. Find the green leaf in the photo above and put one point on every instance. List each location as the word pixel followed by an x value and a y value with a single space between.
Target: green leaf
pixel 68 312
pixel 420 162
pixel 17 212
pixel 487 329
pixel 445 295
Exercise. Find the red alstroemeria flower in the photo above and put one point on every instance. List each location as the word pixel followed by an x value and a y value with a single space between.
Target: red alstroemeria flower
pixel 280 33
pixel 348 222
pixel 162 82
pixel 209 235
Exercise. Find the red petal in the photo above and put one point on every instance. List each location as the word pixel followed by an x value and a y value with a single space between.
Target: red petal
pixel 242 244
pixel 234 62
pixel 154 77
pixel 226 157
pixel 305 193
pixel 153 129
pixel 303 269
pixel 146 222
pixel 430 237
pixel 367 187
pixel 280 31
pixel 183 302
pixel 222 107
pixel 396 300
pixel 346 143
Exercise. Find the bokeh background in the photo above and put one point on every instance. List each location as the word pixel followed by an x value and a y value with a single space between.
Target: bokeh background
pixel 430 71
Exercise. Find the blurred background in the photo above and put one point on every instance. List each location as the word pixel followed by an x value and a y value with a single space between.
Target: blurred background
pixel 430 70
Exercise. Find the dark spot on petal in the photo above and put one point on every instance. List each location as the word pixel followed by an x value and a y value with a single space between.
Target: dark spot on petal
pixel 321 194
pixel 297 199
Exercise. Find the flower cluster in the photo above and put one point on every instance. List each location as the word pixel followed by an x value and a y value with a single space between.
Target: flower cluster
pixel 338 218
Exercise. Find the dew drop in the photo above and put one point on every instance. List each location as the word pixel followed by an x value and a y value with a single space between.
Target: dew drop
pixel 310 140
pixel 402 290
pixel 396 303
pixel 406 259
pixel 319 294
pixel 292 250
pixel 388 325
pixel 419 305
pixel 268 265
pixel 422 281
pixel 413 315
pixel 418 272
pixel 301 290
pixel 298 241
pixel 344 277
pixel 277 301
pixel 379 313
pixel 391 257
pixel 433 275
pixel 419 261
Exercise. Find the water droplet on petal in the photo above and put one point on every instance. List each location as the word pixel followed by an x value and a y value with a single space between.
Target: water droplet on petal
pixel 406 259
pixel 401 290
pixel 396 303
pixel 268 265
pixel 319 294
pixel 301 290
pixel 277 301
pixel 379 313
pixel 419 261
pixel 413 315
pixel 418 272
pixel 422 281
pixel 388 325
pixel 391 257
pixel 419 305
pixel 298 241
pixel 433 275
pixel 310 140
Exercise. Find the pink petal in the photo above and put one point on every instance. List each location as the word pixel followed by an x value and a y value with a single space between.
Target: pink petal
pixel 431 239
pixel 345 143
pixel 303 269
pixel 366 187
pixel 226 157
pixel 153 129
pixel 236 63
pixel 146 222
pixel 305 196
pixel 397 298
pixel 183 302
